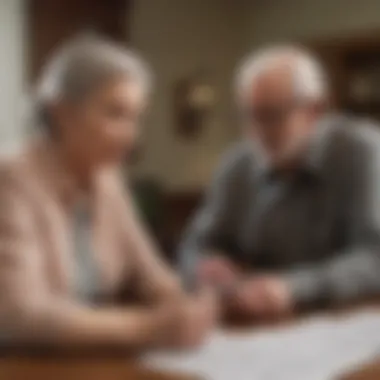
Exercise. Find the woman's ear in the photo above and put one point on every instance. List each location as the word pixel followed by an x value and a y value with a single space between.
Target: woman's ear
pixel 61 113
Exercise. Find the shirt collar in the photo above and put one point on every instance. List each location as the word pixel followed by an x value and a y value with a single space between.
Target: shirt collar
pixel 319 144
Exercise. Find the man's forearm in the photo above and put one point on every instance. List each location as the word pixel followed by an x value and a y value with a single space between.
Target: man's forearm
pixel 347 276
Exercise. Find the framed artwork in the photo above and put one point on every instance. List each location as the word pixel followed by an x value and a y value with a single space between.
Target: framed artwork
pixel 194 99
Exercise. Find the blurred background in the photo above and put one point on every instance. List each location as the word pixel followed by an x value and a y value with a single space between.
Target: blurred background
pixel 193 47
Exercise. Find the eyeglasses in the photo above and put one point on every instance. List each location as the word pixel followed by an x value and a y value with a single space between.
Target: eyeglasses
pixel 271 114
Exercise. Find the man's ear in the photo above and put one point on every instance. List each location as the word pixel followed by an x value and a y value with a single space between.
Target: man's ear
pixel 324 106
pixel 318 109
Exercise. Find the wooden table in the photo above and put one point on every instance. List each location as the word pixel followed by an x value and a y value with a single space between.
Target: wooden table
pixel 117 367
pixel 369 371
pixel 23 368
pixel 113 369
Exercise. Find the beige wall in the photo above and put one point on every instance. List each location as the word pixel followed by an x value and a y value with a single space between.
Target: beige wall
pixel 12 64
pixel 279 21
pixel 178 37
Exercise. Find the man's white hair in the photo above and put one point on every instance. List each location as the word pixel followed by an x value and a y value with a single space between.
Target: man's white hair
pixel 84 64
pixel 310 81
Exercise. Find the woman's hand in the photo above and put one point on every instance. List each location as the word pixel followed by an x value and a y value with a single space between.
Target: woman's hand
pixel 192 319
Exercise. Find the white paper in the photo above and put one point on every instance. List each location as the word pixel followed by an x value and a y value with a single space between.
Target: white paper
pixel 318 348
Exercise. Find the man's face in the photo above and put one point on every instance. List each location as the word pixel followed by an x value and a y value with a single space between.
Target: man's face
pixel 278 121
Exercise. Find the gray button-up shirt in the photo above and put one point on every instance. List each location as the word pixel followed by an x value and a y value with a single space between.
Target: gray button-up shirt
pixel 320 229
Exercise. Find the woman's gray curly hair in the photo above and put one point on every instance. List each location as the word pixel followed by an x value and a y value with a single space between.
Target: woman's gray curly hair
pixel 80 67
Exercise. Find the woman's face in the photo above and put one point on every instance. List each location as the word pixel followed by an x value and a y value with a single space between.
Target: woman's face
pixel 103 128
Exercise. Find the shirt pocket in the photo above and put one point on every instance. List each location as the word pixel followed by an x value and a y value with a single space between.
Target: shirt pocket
pixel 327 227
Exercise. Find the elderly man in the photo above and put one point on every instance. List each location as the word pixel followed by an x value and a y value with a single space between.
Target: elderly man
pixel 293 216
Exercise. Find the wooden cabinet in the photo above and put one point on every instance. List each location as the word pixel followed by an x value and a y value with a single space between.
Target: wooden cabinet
pixel 353 65
pixel 50 22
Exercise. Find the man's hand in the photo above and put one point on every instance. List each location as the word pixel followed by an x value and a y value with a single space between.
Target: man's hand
pixel 217 271
pixel 262 296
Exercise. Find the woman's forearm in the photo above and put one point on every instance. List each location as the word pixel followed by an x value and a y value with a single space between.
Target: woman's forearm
pixel 75 325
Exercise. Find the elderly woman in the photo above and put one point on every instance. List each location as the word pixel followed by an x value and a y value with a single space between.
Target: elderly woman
pixel 70 240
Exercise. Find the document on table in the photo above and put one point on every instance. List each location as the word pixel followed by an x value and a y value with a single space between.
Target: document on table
pixel 319 348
